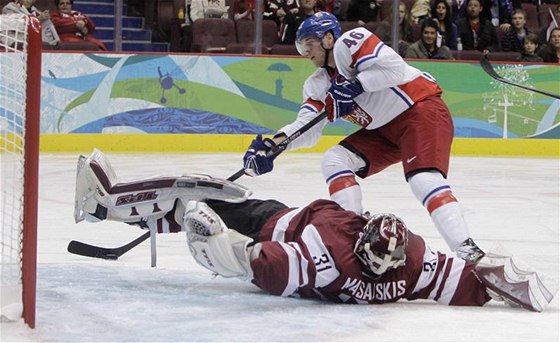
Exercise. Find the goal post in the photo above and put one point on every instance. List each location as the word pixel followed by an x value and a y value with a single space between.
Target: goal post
pixel 20 88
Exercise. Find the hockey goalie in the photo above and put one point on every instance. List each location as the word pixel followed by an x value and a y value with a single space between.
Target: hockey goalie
pixel 317 251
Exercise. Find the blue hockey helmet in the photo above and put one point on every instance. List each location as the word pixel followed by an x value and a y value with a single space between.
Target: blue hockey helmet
pixel 318 25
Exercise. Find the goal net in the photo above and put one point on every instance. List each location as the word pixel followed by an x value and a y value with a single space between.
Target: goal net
pixel 20 72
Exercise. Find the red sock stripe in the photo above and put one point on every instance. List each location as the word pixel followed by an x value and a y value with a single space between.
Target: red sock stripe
pixel 440 200
pixel 342 183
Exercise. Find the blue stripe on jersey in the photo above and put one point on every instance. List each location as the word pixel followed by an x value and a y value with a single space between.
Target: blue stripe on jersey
pixel 397 92
pixel 435 190
pixel 340 173
pixel 308 107
pixel 429 77
pixel 372 56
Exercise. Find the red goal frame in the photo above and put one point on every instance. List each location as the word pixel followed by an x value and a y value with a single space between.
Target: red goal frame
pixel 31 171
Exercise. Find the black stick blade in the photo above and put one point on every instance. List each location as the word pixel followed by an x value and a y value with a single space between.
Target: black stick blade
pixel 84 249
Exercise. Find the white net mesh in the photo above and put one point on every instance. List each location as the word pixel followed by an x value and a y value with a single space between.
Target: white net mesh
pixel 13 57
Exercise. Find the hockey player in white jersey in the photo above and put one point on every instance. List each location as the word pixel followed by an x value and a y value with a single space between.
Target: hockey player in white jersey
pixel 402 116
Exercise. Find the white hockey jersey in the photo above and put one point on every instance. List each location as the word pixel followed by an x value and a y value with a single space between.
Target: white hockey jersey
pixel 391 86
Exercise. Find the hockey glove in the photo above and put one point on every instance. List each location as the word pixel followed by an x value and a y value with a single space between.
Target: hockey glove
pixel 256 160
pixel 340 97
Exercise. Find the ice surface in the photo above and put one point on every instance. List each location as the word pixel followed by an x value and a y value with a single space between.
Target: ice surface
pixel 512 203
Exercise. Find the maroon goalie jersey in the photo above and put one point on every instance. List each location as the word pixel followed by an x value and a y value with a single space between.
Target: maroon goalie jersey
pixel 308 252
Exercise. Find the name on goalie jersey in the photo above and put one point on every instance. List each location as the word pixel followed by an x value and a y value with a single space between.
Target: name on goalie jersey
pixel 369 291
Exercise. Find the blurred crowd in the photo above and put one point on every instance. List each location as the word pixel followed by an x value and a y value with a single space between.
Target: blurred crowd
pixel 60 25
pixel 428 29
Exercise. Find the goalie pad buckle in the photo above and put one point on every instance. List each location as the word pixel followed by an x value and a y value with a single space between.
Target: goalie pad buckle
pixel 100 196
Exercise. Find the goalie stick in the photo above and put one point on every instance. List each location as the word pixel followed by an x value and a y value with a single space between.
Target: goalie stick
pixel 84 249
pixel 487 66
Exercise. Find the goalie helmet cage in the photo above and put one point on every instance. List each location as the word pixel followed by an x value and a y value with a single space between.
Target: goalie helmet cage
pixel 20 87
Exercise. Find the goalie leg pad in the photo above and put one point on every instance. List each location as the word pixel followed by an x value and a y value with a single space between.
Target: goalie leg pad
pixel 225 252
pixel 99 196
pixel 505 281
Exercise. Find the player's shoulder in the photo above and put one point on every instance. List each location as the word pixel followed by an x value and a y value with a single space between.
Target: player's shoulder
pixel 357 34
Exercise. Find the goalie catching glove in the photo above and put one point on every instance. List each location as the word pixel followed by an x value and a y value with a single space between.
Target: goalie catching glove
pixel 259 157
pixel 224 251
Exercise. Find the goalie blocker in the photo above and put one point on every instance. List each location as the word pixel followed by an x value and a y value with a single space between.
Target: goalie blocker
pixel 318 242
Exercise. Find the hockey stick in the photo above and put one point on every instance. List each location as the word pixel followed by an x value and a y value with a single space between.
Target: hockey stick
pixel 80 248
pixel 487 66
pixel 276 150
pixel 84 249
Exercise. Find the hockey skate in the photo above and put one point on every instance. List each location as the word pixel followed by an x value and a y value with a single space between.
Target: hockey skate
pixel 99 194
pixel 469 251
pixel 506 282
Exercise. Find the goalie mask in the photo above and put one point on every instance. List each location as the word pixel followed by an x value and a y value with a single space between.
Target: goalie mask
pixel 382 244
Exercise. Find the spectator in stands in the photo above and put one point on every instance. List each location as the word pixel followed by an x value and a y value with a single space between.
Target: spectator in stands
pixel 475 31
pixel 383 31
pixel 458 9
pixel 244 10
pixel 420 10
pixel 135 8
pixel 277 9
pixel 530 45
pixel 27 7
pixel 513 38
pixel 550 53
pixel 427 46
pixel 447 29
pixel 208 9
pixel 498 12
pixel 73 26
pixel 326 5
pixel 363 11
pixel 292 20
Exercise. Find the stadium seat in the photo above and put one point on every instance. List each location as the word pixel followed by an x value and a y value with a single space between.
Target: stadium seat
pixel 504 56
pixel 284 49
pixel 532 17
pixel 544 14
pixel 372 26
pixel 212 35
pixel 245 30
pixel 348 25
pixel 245 49
pixel 467 55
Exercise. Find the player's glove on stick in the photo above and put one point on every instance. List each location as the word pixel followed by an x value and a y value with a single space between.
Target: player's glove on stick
pixel 256 160
pixel 340 97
